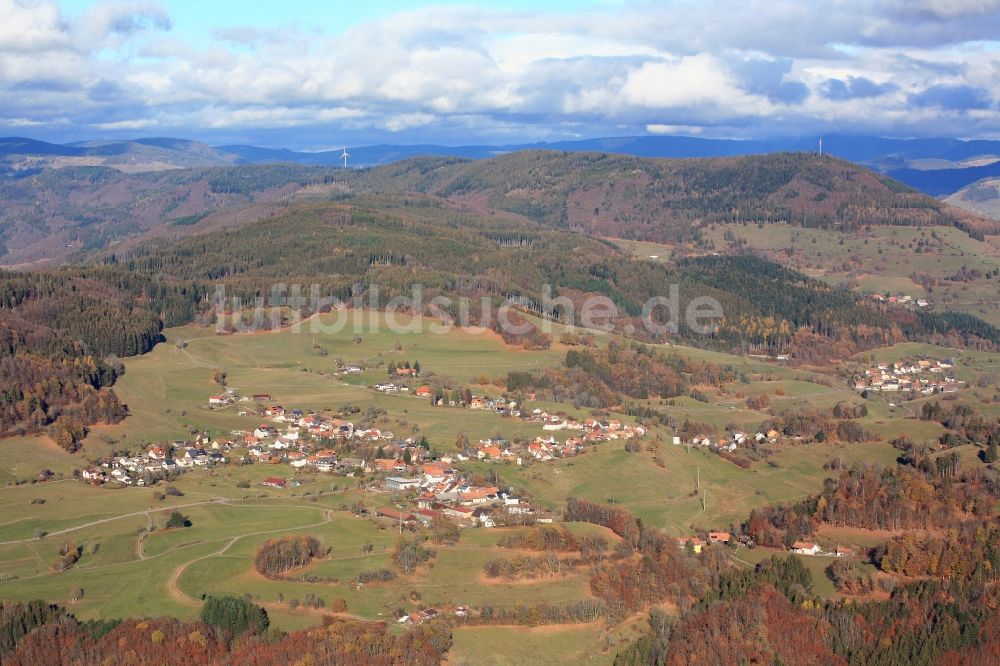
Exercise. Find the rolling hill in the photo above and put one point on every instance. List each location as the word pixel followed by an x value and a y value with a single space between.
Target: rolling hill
pixel 878 152
pixel 671 200
pixel 59 211
pixel 982 197
pixel 20 157
pixel 49 216
pixel 60 322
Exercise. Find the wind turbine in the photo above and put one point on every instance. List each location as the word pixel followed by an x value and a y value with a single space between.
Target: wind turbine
pixel 345 156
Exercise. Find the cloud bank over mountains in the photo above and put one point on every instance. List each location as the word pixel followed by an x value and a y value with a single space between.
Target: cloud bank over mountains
pixel 467 73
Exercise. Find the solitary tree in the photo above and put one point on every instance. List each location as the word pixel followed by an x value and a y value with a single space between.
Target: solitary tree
pixel 992 454
pixel 177 519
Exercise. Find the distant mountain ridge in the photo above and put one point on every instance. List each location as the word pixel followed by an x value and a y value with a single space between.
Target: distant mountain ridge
pixel 879 153
pixel 943 182
pixel 897 157
pixel 57 212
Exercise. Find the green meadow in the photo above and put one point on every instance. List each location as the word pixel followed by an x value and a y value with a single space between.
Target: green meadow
pixel 127 570
pixel 666 497
pixel 884 259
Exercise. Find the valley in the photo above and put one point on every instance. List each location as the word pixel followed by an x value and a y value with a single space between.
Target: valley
pixel 483 459
pixel 127 570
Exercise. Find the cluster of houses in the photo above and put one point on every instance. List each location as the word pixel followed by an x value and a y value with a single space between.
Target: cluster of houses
pixel 901 299
pixel 545 448
pixel 696 544
pixel 924 376
pixel 158 462
pixel 438 489
pixel 230 397
pixel 294 444
pixel 440 398
pixel 314 442
pixel 420 616
pixel 733 440
pixel 498 405
pixel 291 431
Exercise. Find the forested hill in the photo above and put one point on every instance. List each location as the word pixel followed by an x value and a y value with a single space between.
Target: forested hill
pixel 669 199
pixel 51 215
pixel 397 242
pixel 60 335
pixel 48 216
pixel 58 327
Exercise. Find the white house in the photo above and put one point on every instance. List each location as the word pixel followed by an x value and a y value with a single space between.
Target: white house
pixel 805 548
pixel 93 474
pixel 399 483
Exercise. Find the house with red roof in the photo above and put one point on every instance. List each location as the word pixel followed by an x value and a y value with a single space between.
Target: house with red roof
pixel 805 548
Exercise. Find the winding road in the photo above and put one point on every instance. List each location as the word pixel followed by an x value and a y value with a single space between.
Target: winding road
pixel 176 593
pixel 67 530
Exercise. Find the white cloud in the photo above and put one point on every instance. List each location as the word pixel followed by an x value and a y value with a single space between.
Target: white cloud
pixel 714 65
pixel 659 128
pixel 949 9
pixel 689 81
pixel 138 124
pixel 30 26
pixel 109 23
pixel 408 121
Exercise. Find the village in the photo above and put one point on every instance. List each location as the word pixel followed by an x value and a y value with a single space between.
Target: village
pixel 920 376
pixel 421 484
pixel 733 440
pixel 410 486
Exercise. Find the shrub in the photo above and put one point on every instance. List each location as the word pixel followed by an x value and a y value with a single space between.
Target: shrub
pixel 177 519
pixel 234 615
pixel 377 576
pixel 278 556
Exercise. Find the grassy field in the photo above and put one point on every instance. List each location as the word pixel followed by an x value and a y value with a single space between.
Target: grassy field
pixel 645 249
pixel 125 572
pixel 821 583
pixel 882 260
pixel 665 497
pixel 546 646
pixel 25 457
pixel 166 390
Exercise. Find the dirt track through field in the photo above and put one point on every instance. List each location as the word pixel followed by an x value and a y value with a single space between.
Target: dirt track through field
pixel 174 589
pixel 109 519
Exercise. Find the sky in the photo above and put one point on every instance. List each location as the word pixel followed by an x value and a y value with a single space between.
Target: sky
pixel 311 75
